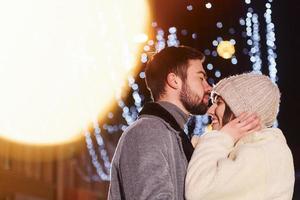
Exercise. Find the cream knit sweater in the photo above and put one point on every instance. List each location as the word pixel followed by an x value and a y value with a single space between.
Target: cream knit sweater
pixel 258 167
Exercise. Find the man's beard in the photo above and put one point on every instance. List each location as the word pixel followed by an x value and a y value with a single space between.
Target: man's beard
pixel 192 102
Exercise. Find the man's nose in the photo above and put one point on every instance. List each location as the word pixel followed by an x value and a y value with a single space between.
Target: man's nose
pixel 208 88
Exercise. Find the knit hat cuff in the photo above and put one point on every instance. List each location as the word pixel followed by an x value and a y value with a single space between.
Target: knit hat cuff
pixel 233 99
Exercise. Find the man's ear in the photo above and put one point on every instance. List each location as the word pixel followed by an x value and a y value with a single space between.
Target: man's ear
pixel 173 81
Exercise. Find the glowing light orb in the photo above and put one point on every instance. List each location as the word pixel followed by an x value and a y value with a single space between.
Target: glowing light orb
pixel 225 49
pixel 61 62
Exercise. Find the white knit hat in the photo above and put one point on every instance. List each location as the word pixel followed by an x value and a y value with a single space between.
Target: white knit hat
pixel 253 93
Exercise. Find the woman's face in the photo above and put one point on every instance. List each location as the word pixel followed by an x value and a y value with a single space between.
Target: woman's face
pixel 216 112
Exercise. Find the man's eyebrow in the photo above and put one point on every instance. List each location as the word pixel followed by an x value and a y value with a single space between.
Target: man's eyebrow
pixel 202 72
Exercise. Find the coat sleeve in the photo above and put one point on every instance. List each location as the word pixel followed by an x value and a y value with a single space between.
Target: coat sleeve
pixel 143 165
pixel 212 174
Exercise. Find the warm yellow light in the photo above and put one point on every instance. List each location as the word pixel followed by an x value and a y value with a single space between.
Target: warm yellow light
pixel 208 128
pixel 225 49
pixel 61 62
pixel 141 38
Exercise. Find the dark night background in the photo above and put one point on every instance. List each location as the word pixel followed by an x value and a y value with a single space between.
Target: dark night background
pixel 286 18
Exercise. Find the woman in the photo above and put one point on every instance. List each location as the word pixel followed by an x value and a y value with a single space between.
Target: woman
pixel 257 166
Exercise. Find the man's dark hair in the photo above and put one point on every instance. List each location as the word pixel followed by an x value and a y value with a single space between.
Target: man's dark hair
pixel 170 59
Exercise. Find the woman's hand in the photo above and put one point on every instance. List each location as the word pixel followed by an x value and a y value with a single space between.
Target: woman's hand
pixel 242 125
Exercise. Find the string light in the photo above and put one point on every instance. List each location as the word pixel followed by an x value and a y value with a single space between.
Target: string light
pixel 270 42
pixel 252 31
pixel 160 44
pixel 99 169
pixel 270 39
pixel 207 52
pixel 225 49
pixel 194 35
pixel 218 74
pixel 208 5
pixel 189 7
pixel 209 66
pixel 172 37
pixel 234 60
pixel 184 32
pixel 219 24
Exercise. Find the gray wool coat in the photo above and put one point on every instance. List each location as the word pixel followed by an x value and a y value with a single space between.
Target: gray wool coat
pixel 149 161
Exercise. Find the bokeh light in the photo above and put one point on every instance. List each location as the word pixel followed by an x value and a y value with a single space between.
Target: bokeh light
pixel 61 63
pixel 225 49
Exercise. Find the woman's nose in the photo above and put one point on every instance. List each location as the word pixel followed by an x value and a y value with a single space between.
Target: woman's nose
pixel 211 110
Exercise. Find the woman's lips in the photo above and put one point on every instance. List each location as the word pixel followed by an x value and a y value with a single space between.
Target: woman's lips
pixel 214 121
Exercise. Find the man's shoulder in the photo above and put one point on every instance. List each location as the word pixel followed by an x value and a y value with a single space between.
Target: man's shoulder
pixel 149 121
pixel 147 131
pixel 148 128
pixel 147 124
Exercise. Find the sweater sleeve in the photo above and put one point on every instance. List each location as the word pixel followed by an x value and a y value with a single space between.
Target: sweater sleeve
pixel 213 175
pixel 143 165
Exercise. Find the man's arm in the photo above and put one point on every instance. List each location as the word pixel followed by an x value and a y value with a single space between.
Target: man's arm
pixel 143 164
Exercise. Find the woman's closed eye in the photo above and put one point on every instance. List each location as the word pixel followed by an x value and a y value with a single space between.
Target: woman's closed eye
pixel 219 101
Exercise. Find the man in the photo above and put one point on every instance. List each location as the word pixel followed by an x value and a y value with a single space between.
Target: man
pixel 151 158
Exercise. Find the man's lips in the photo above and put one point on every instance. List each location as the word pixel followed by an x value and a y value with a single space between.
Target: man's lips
pixel 206 97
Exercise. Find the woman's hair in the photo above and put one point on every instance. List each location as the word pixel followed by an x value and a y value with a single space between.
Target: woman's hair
pixel 228 115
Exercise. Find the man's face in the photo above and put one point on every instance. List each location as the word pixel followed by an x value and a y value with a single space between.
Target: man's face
pixel 195 91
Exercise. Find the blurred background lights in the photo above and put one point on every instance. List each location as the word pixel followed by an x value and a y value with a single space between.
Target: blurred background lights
pixel 172 37
pixel 189 7
pixel 208 5
pixel 218 74
pixel 231 31
pixel 154 24
pixel 270 42
pixel 219 39
pixel 219 24
pixel 225 49
pixel 207 52
pixel 172 30
pixel 211 81
pixel 242 22
pixel 54 72
pixel 232 41
pixel 214 53
pixel 247 1
pixel 234 60
pixel 184 32
pixel 142 75
pixel 194 35
pixel 209 66
pixel 146 48
pixel 215 43
pixel 140 38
